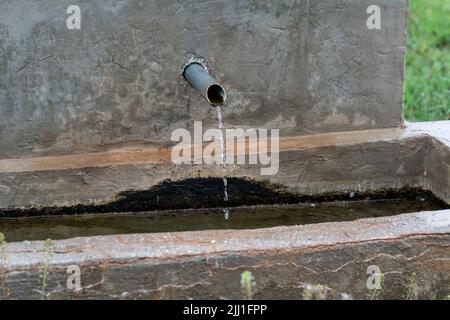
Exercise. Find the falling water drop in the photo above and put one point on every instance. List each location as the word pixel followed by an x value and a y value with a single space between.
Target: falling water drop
pixel 226 213
pixel 225 191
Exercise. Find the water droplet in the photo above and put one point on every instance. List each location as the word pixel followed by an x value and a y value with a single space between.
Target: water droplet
pixel 226 213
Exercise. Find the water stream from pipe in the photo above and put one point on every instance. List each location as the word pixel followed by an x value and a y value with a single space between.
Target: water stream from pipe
pixel 226 212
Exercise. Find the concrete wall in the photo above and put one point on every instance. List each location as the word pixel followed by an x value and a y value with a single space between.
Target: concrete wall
pixel 358 161
pixel 303 66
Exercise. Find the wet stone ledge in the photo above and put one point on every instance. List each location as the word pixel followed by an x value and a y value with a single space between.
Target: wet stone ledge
pixel 411 250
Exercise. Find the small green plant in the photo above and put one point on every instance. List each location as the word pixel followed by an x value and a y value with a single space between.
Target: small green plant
pixel 316 292
pixel 4 265
pixel 447 297
pixel 308 294
pixel 409 295
pixel 247 284
pixel 45 272
pixel 375 293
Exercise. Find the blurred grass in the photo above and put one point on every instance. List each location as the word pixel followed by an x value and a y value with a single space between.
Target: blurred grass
pixel 427 92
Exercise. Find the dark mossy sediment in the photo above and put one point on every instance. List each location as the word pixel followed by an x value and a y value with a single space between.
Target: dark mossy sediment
pixel 199 193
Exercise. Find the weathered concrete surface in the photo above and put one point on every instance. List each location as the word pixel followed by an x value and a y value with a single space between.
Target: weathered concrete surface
pixel 302 66
pixel 208 264
pixel 437 160
pixel 133 156
pixel 417 156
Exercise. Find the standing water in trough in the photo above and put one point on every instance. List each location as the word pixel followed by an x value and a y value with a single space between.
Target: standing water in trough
pixel 226 212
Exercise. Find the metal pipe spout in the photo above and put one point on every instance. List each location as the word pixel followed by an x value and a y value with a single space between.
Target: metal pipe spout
pixel 200 79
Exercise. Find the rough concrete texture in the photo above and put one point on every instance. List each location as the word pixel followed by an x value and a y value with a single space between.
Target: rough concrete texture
pixel 417 156
pixel 208 264
pixel 302 66
pixel 437 160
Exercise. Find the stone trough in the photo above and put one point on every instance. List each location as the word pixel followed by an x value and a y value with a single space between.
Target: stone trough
pixel 87 116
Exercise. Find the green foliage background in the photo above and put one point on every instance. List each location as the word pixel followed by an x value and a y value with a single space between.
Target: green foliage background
pixel 427 88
